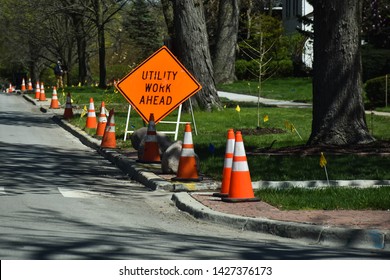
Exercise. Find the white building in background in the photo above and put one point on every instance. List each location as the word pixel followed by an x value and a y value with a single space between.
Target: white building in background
pixel 291 10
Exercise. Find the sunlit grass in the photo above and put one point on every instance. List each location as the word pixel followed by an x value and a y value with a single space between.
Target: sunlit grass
pixel 334 198
pixel 211 129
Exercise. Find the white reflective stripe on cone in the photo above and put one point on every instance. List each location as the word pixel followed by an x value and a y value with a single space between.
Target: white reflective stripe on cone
pixel 240 166
pixel 187 152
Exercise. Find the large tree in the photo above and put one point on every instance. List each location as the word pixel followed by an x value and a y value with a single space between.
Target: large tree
pixel 101 12
pixel 338 110
pixel 81 33
pixel 226 44
pixel 142 29
pixel 191 46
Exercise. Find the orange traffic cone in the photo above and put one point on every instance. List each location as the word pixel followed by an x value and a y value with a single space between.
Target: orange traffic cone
pixel 68 112
pixel 37 90
pixel 109 139
pixel 10 88
pixel 54 100
pixel 240 189
pixel 23 87
pixel 151 149
pixel 42 96
pixel 91 117
pixel 29 85
pixel 227 166
pixel 102 121
pixel 187 170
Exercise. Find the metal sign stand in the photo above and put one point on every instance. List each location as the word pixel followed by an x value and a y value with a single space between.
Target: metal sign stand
pixel 177 122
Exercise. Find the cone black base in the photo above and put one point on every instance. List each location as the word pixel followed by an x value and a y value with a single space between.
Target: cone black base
pixel 187 179
pixel 145 161
pixel 220 194
pixel 234 200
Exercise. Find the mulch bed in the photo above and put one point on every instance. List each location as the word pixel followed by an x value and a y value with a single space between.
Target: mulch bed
pixel 261 131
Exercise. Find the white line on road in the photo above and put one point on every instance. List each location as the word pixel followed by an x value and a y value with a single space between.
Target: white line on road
pixel 74 193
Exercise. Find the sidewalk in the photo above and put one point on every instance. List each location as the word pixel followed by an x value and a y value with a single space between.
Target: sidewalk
pixel 262 101
pixel 356 229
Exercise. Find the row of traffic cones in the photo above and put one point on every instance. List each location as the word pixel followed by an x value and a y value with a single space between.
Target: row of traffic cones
pixel 236 183
pixel 23 87
pixel 236 179
pixel 105 127
pixel 41 95
pixel 29 85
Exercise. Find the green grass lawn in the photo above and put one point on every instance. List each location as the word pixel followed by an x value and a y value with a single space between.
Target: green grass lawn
pixel 212 128
pixel 327 198
pixel 384 109
pixel 295 89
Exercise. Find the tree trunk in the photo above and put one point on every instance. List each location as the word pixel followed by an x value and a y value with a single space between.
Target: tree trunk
pixel 81 39
pixel 192 48
pixel 99 21
pixel 225 51
pixel 168 16
pixel 338 110
pixel 102 57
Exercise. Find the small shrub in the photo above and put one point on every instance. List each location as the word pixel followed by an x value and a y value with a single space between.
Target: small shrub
pixel 376 62
pixel 375 91
pixel 285 68
pixel 241 69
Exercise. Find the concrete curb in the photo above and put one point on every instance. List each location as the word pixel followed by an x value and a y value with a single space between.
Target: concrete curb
pixel 314 234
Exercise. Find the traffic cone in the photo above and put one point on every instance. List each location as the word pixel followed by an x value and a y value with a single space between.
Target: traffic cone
pixel 68 112
pixel 240 189
pixel 151 149
pixel 91 117
pixel 227 166
pixel 54 100
pixel 23 87
pixel 109 139
pixel 102 121
pixel 10 88
pixel 42 95
pixel 29 85
pixel 37 90
pixel 187 170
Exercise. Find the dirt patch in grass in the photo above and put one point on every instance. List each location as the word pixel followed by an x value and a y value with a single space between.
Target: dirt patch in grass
pixel 261 131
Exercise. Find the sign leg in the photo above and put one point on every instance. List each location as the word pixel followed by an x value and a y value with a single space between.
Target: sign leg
pixel 127 123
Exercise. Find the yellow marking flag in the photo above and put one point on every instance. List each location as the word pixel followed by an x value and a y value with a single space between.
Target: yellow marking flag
pixel 84 112
pixel 289 126
pixel 238 109
pixel 323 161
pixel 265 118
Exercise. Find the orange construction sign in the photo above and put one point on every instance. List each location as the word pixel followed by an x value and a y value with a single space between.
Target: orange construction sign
pixel 158 85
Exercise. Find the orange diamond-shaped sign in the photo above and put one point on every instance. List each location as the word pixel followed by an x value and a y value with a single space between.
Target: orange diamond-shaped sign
pixel 158 85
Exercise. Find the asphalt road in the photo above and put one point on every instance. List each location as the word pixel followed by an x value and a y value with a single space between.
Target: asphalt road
pixel 61 200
